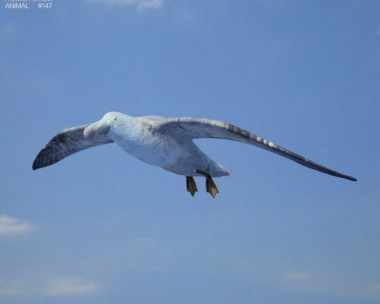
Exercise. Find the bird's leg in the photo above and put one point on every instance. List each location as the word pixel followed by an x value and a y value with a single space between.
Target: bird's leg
pixel 210 185
pixel 191 186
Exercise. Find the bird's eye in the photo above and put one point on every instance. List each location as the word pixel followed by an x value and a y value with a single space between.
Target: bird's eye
pixel 115 119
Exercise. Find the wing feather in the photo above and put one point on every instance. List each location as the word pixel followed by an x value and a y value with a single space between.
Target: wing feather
pixel 65 143
pixel 194 128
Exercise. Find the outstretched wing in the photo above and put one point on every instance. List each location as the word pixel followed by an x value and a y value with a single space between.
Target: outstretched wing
pixel 65 143
pixel 193 128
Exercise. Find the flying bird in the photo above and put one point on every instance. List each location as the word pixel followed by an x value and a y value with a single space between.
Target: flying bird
pixel 166 143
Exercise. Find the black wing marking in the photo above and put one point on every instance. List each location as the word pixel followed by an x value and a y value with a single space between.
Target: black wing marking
pixel 193 128
pixel 65 143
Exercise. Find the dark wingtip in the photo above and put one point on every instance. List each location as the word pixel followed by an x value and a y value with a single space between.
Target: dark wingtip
pixel 35 166
pixel 351 178
pixel 39 162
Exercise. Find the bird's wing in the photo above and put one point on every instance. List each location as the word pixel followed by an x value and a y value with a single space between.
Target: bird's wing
pixel 192 128
pixel 65 143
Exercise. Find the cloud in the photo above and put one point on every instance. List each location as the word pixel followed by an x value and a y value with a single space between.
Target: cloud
pixel 12 287
pixel 143 242
pixel 12 226
pixel 297 277
pixel 69 286
pixel 328 284
pixel 373 289
pixel 298 280
pixel 61 286
pixel 140 5
pixel 9 29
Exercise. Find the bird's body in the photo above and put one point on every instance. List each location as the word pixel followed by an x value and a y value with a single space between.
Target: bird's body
pixel 138 136
pixel 163 142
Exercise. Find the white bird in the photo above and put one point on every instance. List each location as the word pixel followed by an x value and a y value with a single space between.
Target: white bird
pixel 164 142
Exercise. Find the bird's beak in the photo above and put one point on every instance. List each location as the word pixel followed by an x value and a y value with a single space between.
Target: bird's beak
pixel 100 127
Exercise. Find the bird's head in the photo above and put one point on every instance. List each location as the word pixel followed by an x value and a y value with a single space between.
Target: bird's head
pixel 111 120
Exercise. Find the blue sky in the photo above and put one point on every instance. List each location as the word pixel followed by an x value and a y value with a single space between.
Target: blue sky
pixel 102 227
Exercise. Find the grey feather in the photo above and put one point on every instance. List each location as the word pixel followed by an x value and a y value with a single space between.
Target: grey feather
pixel 65 143
pixel 193 128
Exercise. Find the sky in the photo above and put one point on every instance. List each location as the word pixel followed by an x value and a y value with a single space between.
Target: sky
pixel 103 227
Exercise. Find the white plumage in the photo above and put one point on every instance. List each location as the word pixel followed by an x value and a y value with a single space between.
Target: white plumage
pixel 164 142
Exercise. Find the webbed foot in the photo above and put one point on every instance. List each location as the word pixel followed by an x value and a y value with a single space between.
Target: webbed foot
pixel 191 186
pixel 210 185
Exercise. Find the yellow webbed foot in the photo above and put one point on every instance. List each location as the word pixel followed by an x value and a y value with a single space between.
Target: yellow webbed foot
pixel 210 185
pixel 191 186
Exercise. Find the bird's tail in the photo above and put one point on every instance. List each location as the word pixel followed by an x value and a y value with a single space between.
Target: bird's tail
pixel 221 171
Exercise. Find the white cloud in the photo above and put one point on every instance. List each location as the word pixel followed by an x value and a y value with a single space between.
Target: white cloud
pixel 12 226
pixel 143 242
pixel 140 5
pixel 297 277
pixel 299 280
pixel 372 289
pixel 328 284
pixel 61 286
pixel 12 287
pixel 9 29
pixel 69 286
